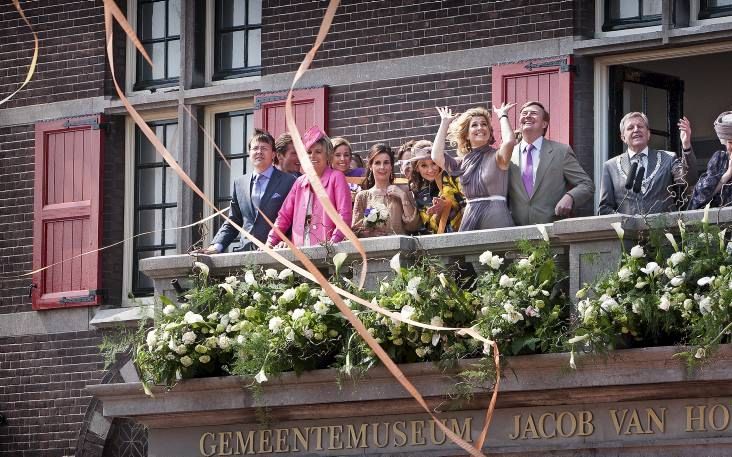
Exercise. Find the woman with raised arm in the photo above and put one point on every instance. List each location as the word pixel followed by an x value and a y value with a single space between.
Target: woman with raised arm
pixel 383 208
pixel 483 170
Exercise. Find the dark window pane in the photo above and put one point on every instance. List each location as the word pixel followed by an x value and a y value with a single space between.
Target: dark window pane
pixel 231 48
pixel 231 135
pixel 233 13
pixel 149 220
pixel 152 23
pixel 717 3
pixel 623 9
pixel 156 51
pixel 143 282
pixel 150 186
pixel 254 44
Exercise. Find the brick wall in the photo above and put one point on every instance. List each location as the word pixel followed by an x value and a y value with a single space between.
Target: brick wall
pixel 367 31
pixel 71 61
pixel 16 217
pixel 42 378
pixel 396 110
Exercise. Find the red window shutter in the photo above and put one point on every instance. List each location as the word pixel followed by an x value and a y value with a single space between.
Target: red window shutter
pixel 310 106
pixel 548 81
pixel 67 207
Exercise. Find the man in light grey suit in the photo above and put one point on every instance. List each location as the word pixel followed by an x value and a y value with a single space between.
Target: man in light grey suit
pixel 658 182
pixel 263 189
pixel 545 180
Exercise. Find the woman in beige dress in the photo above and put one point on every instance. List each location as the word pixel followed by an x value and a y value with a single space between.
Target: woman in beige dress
pixel 383 208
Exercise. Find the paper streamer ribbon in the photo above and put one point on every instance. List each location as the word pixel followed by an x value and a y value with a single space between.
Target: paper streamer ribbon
pixel 34 60
pixel 112 11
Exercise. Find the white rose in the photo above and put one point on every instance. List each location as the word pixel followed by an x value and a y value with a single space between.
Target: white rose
pixel 413 285
pixel 257 296
pixel 232 280
pixel 531 311
pixel 637 252
pixel 608 304
pixel 705 280
pixel 384 214
pixel 676 281
pixel 407 312
pixel 224 342
pixel 270 273
pixel 249 278
pixel 505 281
pixel 437 321
pixel 284 274
pixel 496 262
pixel 297 314
pixel 189 338
pixel 235 314
pixel 665 303
pixel 227 287
pixel 651 269
pixel 204 359
pixel 151 339
pixel 213 316
pixel 172 345
pixel 288 295
pixel 372 217
pixel 168 310
pixel 192 318
pixel 636 307
pixel 275 324
pixel 624 274
pixel 676 258
pixel 705 305
pixel 320 308
pixel 186 361
pixel 485 258
pixel 524 263
pixel 181 349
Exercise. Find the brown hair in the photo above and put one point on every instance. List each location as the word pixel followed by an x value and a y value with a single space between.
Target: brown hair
pixel 340 141
pixel 457 133
pixel 535 103
pixel 404 148
pixel 262 136
pixel 378 148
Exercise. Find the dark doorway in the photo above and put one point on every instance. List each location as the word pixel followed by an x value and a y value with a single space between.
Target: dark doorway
pixel 659 96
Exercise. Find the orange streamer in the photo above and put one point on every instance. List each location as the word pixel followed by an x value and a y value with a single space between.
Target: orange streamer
pixel 34 60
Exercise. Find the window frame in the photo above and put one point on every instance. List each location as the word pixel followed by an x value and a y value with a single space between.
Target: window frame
pixel 210 155
pixel 131 58
pixel 712 12
pixel 238 72
pixel 612 25
pixel 129 204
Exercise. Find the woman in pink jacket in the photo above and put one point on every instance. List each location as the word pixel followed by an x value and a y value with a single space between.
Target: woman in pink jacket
pixel 302 211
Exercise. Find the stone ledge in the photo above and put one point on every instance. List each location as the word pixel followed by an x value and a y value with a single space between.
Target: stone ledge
pixel 634 374
pixel 126 317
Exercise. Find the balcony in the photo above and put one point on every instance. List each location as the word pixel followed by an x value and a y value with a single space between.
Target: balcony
pixel 631 402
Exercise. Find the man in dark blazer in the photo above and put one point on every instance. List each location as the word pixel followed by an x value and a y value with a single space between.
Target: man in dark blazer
pixel 545 180
pixel 264 188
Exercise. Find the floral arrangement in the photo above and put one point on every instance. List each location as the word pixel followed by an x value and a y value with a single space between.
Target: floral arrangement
pixel 375 215
pixel 522 305
pixel 265 324
pixel 665 291
pixel 424 292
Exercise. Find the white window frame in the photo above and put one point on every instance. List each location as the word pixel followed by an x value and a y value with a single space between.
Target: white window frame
pixel 209 153
pixel 600 20
pixel 131 56
pixel 602 87
pixel 210 51
pixel 129 209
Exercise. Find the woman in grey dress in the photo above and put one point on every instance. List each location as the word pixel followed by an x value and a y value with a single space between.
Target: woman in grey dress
pixel 483 170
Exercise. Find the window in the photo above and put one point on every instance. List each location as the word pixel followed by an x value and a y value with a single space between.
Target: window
pixel 155 202
pixel 237 38
pixel 158 27
pixel 625 14
pixel 714 8
pixel 233 130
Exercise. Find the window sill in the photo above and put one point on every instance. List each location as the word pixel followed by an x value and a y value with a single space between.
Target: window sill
pixel 125 317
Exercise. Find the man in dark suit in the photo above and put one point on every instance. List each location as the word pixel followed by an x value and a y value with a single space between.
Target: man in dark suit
pixel 545 180
pixel 263 189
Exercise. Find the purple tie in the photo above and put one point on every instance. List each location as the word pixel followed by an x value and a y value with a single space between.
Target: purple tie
pixel 528 175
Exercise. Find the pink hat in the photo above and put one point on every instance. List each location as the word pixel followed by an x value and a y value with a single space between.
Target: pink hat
pixel 312 136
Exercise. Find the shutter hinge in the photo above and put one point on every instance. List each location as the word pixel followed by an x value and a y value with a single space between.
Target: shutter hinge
pixel 564 67
pixel 95 125
pixel 89 297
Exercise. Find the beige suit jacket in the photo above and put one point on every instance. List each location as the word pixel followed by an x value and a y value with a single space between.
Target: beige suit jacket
pixel 558 173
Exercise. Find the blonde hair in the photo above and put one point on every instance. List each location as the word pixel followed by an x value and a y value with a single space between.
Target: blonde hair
pixel 340 141
pixel 457 134
pixel 630 116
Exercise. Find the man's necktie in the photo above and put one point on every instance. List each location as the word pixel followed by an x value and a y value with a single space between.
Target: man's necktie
pixel 528 175
pixel 256 191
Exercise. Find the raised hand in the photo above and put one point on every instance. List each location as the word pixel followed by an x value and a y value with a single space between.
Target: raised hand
pixel 503 110
pixel 685 132
pixel 446 114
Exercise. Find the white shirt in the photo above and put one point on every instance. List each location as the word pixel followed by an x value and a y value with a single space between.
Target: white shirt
pixel 643 157
pixel 534 154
